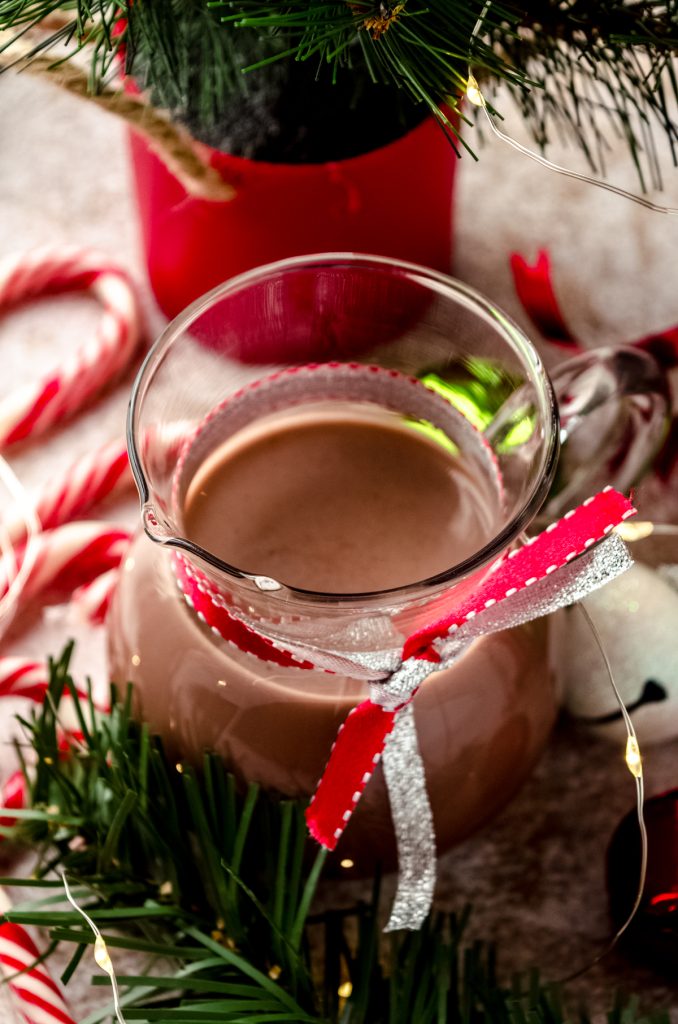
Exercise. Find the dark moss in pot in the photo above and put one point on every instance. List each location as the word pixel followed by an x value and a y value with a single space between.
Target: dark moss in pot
pixel 284 111
pixel 288 115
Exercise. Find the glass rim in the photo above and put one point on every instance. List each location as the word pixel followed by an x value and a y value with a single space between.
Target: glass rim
pixel 512 334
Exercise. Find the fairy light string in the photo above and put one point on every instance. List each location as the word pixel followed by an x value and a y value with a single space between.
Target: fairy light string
pixel 101 954
pixel 475 96
pixel 628 531
pixel 633 758
pixel 634 763
pixel 632 755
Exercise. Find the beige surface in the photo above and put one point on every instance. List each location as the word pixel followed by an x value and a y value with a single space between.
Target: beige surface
pixel 536 876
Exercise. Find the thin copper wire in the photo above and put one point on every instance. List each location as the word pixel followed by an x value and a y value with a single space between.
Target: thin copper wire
pixel 640 800
pixel 476 97
pixel 101 954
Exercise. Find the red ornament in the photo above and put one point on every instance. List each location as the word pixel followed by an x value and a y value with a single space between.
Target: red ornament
pixel 652 936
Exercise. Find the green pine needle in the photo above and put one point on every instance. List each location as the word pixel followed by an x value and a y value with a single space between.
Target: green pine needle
pixel 596 68
pixel 212 889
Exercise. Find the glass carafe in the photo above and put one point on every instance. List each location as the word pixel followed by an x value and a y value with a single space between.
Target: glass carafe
pixel 379 338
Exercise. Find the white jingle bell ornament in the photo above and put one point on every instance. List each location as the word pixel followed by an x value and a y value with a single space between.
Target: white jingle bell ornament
pixel 636 617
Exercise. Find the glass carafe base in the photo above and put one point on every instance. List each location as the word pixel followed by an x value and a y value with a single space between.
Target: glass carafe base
pixel 482 723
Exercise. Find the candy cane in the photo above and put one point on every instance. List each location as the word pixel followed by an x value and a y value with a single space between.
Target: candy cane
pixel 92 600
pixel 70 556
pixel 92 478
pixel 24 677
pixel 88 481
pixel 101 474
pixel 34 994
pixel 32 410
pixel 13 798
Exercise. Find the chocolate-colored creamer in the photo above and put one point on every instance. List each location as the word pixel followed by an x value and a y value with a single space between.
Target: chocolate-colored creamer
pixel 341 503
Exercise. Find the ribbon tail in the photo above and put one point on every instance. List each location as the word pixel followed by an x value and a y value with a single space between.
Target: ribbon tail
pixel 413 823
pixel 356 751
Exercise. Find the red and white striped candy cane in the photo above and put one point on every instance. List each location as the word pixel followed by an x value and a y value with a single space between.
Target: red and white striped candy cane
pixel 89 480
pixel 92 600
pixel 64 557
pixel 32 410
pixel 100 474
pixel 35 996
pixel 70 556
pixel 25 677
pixel 96 476
pixel 13 798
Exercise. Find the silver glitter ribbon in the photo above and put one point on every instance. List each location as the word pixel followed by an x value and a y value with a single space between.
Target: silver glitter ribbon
pixel 402 761
pixel 413 824
pixel 393 684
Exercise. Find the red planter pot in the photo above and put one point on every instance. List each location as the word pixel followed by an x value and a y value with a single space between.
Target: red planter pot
pixel 394 201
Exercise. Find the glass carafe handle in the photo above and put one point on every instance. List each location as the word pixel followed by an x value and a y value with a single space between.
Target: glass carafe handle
pixel 614 405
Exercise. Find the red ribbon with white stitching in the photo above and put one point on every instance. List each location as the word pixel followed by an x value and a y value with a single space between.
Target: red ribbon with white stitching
pixel 364 733
pixel 569 559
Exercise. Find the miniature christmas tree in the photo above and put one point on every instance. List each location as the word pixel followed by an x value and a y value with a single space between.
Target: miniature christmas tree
pixel 217 66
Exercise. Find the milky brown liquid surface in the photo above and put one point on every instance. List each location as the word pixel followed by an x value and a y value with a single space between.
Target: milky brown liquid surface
pixel 481 723
pixel 340 505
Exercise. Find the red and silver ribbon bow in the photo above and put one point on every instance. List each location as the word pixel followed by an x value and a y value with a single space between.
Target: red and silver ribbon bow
pixel 571 558
pixel 555 569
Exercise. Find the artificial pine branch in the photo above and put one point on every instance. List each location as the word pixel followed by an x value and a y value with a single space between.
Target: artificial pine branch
pixel 588 65
pixel 211 889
